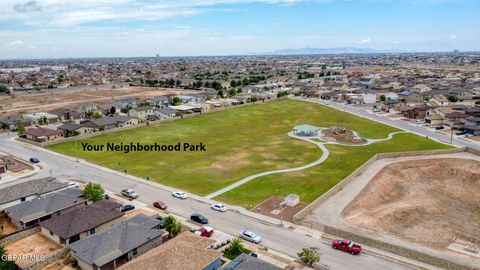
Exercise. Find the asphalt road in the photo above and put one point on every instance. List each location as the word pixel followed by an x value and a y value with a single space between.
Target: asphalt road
pixel 361 111
pixel 275 237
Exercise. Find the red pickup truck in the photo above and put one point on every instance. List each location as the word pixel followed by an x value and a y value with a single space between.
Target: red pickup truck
pixel 347 246
pixel 204 231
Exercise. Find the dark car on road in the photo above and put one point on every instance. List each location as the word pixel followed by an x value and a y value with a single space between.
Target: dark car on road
pixel 127 207
pixel 34 160
pixel 199 218
pixel 160 205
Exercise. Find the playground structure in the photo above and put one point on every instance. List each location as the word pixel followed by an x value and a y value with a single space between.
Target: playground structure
pixel 342 135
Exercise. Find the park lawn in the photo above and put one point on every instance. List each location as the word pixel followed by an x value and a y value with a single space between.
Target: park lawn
pixel 240 142
pixel 313 182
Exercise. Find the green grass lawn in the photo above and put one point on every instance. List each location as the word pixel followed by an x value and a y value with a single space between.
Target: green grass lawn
pixel 245 141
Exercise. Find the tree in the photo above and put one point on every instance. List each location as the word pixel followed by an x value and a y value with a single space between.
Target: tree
pixel 93 192
pixel 172 225
pixel 235 247
pixel 113 110
pixel 232 92
pixel 21 128
pixel 175 101
pixel 96 115
pixel 6 264
pixel 3 88
pixel 452 98
pixel 220 93
pixel 253 99
pixel 309 256
pixel 383 98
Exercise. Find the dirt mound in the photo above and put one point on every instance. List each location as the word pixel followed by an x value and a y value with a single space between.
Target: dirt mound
pixel 423 201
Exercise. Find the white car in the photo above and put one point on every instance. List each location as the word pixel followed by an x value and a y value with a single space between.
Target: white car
pixel 129 193
pixel 180 194
pixel 251 236
pixel 72 185
pixel 219 207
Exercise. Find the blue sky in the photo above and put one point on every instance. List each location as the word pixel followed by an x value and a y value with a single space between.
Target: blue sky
pixel 106 28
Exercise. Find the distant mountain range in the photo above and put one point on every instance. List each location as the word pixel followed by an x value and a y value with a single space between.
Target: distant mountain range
pixel 336 50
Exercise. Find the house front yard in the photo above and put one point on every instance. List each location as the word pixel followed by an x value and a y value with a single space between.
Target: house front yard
pixel 245 141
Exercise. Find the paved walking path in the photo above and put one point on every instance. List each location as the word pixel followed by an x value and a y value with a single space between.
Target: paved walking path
pixel 324 157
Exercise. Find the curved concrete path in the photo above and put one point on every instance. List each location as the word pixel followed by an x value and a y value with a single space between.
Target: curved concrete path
pixel 324 156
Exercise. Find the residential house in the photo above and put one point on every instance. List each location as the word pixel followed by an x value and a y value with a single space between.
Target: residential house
pixel 118 244
pixel 125 121
pixel 412 97
pixel 75 129
pixel 417 112
pixel 248 262
pixel 41 118
pixel 106 108
pixel 66 114
pixel 186 251
pixel 161 102
pixel 455 120
pixel 434 119
pixel 103 123
pixel 472 126
pixel 141 113
pixel 82 222
pixel 32 212
pixel 28 190
pixel 126 103
pixel 167 112
pixel 421 88
pixel 43 134
pixel 11 122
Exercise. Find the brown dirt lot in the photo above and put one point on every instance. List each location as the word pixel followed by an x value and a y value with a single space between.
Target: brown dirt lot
pixel 7 226
pixel 423 201
pixel 36 244
pixel 71 97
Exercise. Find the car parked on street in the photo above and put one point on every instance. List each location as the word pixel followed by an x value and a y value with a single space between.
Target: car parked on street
pixel 180 194
pixel 73 185
pixel 219 207
pixel 346 245
pixel 160 205
pixel 127 207
pixel 439 127
pixel 34 160
pixel 199 218
pixel 205 231
pixel 129 193
pixel 251 237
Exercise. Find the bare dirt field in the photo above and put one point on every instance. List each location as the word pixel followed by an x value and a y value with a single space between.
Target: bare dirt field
pixel 66 262
pixel 6 226
pixel 36 244
pixel 428 201
pixel 69 98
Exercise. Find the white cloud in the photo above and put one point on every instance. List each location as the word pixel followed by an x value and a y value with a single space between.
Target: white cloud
pixel 365 41
pixel 453 37
pixel 15 43
pixel 64 13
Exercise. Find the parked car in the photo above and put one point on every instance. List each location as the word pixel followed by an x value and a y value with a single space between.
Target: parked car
pixel 160 205
pixel 106 196
pixel 129 193
pixel 180 194
pixel 420 121
pixel 377 109
pixel 439 127
pixel 34 160
pixel 219 207
pixel 73 185
pixel 251 236
pixel 127 207
pixel 199 218
pixel 204 231
pixel 461 132
pixel 346 245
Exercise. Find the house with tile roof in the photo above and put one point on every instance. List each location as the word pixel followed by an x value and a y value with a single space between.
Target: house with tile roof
pixel 119 244
pixel 82 222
